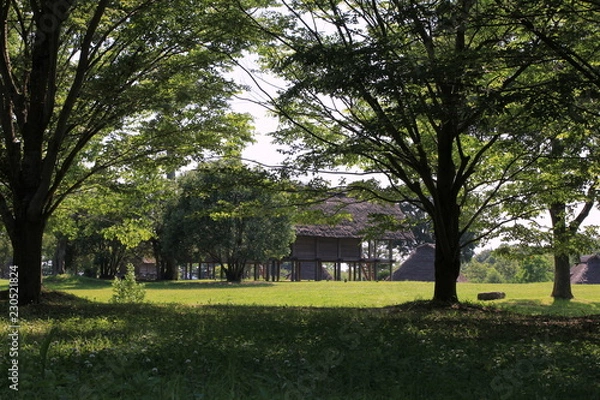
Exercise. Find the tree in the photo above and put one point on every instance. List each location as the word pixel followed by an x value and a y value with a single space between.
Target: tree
pixel 127 290
pixel 414 90
pixel 563 184
pixel 104 224
pixel 535 268
pixel 231 215
pixel 568 30
pixel 488 266
pixel 89 85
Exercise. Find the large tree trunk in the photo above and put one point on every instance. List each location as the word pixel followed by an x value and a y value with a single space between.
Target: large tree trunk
pixel 562 267
pixel 235 272
pixel 447 259
pixel 171 272
pixel 446 275
pixel 27 248
pixel 446 212
pixel 562 278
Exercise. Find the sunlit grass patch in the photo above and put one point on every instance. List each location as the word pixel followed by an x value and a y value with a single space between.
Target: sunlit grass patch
pixel 531 298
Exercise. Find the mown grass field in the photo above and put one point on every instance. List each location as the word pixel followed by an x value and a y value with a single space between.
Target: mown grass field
pixel 531 298
pixel 306 340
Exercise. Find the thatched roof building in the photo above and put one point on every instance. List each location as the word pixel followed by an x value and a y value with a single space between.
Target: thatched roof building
pixel 419 266
pixel 587 271
pixel 342 241
pixel 356 220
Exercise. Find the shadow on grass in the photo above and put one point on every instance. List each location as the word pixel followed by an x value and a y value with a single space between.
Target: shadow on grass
pixel 463 351
pixel 556 308
pixel 62 282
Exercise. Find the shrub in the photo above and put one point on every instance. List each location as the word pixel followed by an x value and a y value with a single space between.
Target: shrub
pixel 127 290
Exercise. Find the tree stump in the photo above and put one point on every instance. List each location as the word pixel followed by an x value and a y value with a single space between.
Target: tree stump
pixel 491 295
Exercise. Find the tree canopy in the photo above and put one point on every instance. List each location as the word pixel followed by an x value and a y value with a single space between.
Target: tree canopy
pixel 231 215
pixel 91 85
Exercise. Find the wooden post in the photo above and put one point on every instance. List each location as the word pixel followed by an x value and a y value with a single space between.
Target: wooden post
pixel 316 275
pixel 360 270
pixel 268 270
pixel 375 269
pixel 350 272
pixel 295 269
pixel 391 256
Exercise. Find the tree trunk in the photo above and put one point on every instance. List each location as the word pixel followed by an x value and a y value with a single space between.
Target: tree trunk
pixel 562 267
pixel 171 272
pixel 27 248
pixel 562 278
pixel 446 212
pixel 158 259
pixel 59 259
pixel 235 272
pixel 447 269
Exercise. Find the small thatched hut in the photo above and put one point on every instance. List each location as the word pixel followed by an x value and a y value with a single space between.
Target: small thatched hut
pixel 343 242
pixel 419 266
pixel 587 271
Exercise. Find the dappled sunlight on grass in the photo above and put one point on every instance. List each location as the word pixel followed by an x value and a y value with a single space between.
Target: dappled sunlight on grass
pixel 412 351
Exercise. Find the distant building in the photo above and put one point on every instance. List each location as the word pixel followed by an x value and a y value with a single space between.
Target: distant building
pixel 419 266
pixel 587 270
pixel 345 242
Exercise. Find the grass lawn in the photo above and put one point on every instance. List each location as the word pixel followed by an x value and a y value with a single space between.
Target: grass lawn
pixel 306 340
pixel 531 298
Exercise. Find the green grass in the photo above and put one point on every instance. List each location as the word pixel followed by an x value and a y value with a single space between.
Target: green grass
pixel 306 340
pixel 531 298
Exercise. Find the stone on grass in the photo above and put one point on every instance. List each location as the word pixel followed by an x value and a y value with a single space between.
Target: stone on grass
pixel 491 295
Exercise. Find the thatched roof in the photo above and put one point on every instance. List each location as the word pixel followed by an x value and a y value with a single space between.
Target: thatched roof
pixel 587 271
pixel 419 266
pixel 357 218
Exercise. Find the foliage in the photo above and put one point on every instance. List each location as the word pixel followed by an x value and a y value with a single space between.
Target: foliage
pixel 228 214
pixel 509 265
pixel 489 265
pixel 110 224
pixel 127 289
pixel 534 268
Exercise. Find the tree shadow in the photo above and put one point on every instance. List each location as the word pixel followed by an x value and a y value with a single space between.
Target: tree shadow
pixel 558 307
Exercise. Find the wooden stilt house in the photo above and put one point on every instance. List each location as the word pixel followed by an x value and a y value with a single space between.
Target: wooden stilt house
pixel 354 242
